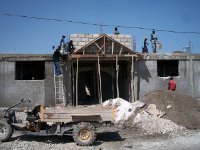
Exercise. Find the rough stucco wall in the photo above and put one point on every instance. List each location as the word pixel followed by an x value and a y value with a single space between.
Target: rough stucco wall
pixel 49 99
pixel 11 90
pixel 196 79
pixel 188 80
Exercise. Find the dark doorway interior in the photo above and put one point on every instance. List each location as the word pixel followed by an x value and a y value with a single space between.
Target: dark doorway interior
pixel 89 84
pixel 29 70
pixel 167 68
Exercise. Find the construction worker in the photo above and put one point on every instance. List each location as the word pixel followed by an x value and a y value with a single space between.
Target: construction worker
pixel 116 31
pixel 62 44
pixel 153 41
pixel 171 84
pixel 56 59
pixel 145 49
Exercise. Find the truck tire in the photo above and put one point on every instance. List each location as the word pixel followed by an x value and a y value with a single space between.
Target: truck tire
pixel 84 134
pixel 6 130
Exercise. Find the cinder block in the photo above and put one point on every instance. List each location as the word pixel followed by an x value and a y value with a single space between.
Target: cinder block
pixel 73 36
pixel 127 36
pixel 81 43
pixel 81 35
pixel 95 35
pixel 85 39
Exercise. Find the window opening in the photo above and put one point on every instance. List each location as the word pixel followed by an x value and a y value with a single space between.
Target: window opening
pixel 167 68
pixel 29 70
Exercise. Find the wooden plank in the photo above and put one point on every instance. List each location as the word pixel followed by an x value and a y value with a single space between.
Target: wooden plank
pixel 100 90
pixel 117 74
pixel 132 81
pixel 73 89
pixel 77 82
pixel 107 55
pixel 112 47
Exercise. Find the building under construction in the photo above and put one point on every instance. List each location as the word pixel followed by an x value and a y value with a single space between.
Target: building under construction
pixel 100 68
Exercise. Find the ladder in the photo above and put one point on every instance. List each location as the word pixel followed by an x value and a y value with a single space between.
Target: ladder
pixel 59 91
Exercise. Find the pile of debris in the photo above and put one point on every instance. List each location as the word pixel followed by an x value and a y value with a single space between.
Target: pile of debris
pixel 181 109
pixel 148 120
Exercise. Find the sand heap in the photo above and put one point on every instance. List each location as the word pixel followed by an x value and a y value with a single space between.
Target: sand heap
pixel 180 109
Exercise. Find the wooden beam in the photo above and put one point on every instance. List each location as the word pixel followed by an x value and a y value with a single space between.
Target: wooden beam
pixel 117 74
pixel 100 90
pixel 113 93
pixel 77 82
pixel 104 41
pixel 120 52
pixel 104 56
pixel 112 47
pixel 73 89
pixel 97 74
pixel 132 81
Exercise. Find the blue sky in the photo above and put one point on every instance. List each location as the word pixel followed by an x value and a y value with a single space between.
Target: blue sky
pixel 32 36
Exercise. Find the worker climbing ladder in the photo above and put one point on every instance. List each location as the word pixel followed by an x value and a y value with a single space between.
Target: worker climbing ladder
pixel 59 90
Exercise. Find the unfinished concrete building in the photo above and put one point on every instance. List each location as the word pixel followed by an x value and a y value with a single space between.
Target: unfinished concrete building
pixel 102 67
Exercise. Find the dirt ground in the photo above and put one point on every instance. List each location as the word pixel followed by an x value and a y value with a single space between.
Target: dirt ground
pixel 180 109
pixel 123 140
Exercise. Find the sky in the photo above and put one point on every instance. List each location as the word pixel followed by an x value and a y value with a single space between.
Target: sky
pixel 22 35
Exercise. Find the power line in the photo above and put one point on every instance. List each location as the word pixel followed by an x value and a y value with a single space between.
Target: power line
pixel 96 24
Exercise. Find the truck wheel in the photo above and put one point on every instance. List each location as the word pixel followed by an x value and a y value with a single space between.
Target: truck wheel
pixel 84 134
pixel 5 130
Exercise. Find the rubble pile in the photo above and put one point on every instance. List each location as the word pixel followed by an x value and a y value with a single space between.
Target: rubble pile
pixel 179 108
pixel 148 120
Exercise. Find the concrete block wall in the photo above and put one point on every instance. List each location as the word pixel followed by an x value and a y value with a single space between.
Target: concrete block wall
pixel 81 40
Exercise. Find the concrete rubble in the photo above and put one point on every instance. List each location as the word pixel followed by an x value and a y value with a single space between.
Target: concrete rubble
pixel 147 120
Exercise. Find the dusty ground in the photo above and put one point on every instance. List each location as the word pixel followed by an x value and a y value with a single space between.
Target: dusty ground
pixel 124 140
pixel 146 135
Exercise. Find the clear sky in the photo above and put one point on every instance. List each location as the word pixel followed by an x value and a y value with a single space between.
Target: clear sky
pixel 32 36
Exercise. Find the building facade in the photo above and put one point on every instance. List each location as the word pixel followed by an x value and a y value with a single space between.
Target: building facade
pixel 101 67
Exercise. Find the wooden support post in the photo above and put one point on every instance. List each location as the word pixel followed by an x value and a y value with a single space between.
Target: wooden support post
pixel 113 93
pixel 100 90
pixel 112 47
pixel 132 81
pixel 97 74
pixel 104 45
pixel 73 89
pixel 77 82
pixel 117 74
pixel 120 52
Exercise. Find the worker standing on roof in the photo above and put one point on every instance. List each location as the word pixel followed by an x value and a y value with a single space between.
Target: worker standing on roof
pixel 56 59
pixel 116 31
pixel 70 47
pixel 171 84
pixel 62 44
pixel 145 49
pixel 153 41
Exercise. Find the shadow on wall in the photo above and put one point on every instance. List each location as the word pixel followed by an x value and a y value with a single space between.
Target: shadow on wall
pixel 143 73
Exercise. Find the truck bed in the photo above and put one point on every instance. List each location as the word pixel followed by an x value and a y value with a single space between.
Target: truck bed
pixel 76 114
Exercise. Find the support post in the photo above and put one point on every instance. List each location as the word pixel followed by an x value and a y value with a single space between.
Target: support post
pixel 117 74
pixel 73 89
pixel 132 81
pixel 112 47
pixel 100 90
pixel 77 82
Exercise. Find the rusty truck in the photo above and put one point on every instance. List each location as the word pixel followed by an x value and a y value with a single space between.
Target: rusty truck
pixel 80 122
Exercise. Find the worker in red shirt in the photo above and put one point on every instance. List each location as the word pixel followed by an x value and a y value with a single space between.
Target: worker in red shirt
pixel 171 84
